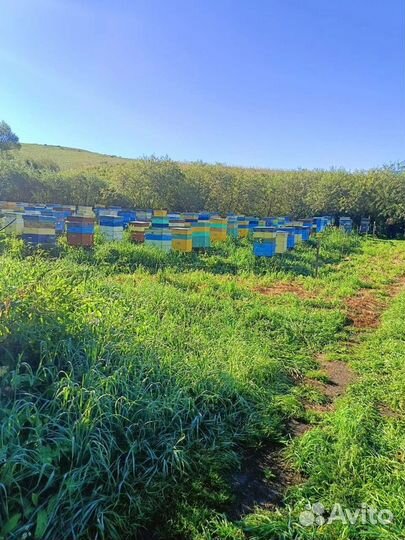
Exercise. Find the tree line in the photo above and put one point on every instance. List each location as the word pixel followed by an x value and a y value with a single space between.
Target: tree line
pixel 153 182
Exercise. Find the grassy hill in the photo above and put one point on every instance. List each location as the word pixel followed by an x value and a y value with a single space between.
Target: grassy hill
pixel 66 158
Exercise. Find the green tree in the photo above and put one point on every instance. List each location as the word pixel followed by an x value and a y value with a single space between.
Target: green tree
pixel 8 139
pixel 18 182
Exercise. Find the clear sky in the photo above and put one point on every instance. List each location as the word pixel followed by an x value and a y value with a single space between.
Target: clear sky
pixel 269 83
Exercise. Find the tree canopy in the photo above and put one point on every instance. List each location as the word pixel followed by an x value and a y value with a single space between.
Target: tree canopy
pixel 8 139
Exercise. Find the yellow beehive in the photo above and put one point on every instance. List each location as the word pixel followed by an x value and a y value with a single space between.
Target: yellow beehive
pixel 264 234
pixel 7 205
pixel 243 228
pixel 182 239
pixel 160 213
pixel 218 229
pixel 281 242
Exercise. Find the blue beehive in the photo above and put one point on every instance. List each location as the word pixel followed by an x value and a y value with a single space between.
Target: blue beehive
pixel 112 227
pixel 253 222
pixel 159 235
pixel 39 229
pixel 364 226
pixel 321 223
pixel 127 216
pixel 264 241
pixel 264 250
pixel 306 232
pixel 346 224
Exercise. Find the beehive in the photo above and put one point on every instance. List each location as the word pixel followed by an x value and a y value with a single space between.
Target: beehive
pixel 11 205
pixel 137 231
pixel 177 220
pixel 189 217
pixel 281 242
pixel 161 239
pixel 201 234
pixel 291 235
pixel 346 224
pixel 127 216
pixel 364 226
pixel 141 215
pixel 60 218
pixel 232 227
pixel 298 233
pixel 112 228
pixel 264 241
pixel 253 222
pixel 307 230
pixel 159 235
pixel 308 223
pixel 218 229
pixel 182 239
pixel 11 223
pixel 178 223
pixel 39 229
pixel 302 231
pixel 243 227
pixel 160 219
pixel 80 231
pixel 321 222
pixel 85 211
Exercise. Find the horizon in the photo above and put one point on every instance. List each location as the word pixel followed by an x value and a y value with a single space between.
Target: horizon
pixel 271 86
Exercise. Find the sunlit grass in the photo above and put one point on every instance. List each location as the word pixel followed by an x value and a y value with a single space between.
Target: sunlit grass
pixel 131 379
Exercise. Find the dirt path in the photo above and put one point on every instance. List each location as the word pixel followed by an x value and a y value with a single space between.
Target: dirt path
pixel 265 474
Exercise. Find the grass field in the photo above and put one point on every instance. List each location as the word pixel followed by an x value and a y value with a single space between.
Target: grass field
pixel 66 158
pixel 134 383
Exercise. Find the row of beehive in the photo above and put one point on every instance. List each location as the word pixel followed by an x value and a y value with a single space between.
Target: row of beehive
pixel 166 232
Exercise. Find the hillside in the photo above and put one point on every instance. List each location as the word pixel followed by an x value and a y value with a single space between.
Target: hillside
pixel 66 158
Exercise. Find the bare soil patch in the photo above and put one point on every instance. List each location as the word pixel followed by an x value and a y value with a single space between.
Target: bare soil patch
pixel 279 289
pixel 339 375
pixel 397 287
pixel 364 309
pixel 261 481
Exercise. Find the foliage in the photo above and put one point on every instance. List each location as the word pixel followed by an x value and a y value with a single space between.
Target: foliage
pixel 8 139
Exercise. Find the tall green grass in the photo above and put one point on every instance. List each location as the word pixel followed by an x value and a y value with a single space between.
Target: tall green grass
pixel 129 387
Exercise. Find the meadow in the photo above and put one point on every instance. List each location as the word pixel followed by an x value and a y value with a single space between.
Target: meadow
pixel 134 383
pixel 64 158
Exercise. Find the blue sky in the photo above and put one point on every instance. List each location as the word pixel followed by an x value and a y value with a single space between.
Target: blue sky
pixel 268 83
